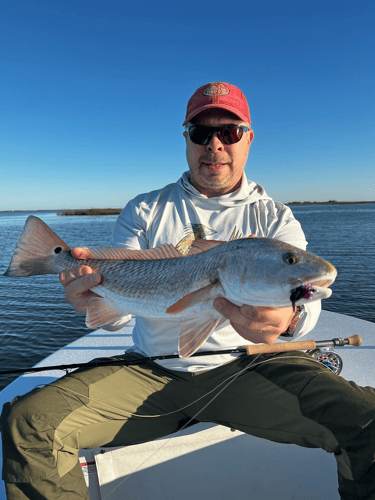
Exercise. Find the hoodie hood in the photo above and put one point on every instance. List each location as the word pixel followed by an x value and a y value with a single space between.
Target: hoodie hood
pixel 249 192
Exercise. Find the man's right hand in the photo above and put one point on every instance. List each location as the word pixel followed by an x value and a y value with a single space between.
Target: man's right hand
pixel 78 282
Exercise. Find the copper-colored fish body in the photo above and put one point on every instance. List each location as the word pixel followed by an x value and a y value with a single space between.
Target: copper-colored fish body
pixel 161 283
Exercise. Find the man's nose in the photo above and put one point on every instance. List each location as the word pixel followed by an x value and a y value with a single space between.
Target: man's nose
pixel 215 143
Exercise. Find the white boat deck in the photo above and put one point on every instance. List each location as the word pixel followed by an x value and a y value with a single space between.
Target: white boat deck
pixel 208 462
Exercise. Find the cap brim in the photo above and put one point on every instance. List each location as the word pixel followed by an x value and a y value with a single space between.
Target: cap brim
pixel 221 106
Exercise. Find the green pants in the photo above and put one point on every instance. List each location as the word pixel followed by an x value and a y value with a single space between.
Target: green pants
pixel 287 398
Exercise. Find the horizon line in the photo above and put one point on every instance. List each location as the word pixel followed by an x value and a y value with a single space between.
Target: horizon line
pixel 329 202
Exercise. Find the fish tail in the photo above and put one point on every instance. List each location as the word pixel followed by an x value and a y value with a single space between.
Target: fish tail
pixel 36 250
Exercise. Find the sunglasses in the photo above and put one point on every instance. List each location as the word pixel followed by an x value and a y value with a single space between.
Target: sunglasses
pixel 227 134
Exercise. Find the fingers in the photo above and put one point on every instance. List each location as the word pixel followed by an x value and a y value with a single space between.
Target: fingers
pixel 81 253
pixel 78 282
pixel 102 253
pixel 256 323
pixel 73 273
pixel 232 312
pixel 84 253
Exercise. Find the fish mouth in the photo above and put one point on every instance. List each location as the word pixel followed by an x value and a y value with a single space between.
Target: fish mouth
pixel 306 292
pixel 321 283
pixel 312 288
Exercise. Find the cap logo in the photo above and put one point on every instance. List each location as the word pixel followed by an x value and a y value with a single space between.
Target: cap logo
pixel 216 89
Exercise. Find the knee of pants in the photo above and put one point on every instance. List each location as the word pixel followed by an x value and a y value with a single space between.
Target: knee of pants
pixel 351 416
pixel 33 412
pixel 348 411
pixel 28 428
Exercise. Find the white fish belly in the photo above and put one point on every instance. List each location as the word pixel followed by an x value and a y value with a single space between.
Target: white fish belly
pixel 155 307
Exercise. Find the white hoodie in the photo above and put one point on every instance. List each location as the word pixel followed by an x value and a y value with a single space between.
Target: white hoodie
pixel 177 214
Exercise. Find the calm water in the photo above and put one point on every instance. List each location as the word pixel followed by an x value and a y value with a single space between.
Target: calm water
pixel 35 319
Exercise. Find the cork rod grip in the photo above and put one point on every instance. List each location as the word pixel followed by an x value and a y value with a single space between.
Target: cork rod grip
pixel 355 340
pixel 303 345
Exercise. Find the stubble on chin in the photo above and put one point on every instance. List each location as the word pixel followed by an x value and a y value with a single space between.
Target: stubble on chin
pixel 214 185
pixel 215 181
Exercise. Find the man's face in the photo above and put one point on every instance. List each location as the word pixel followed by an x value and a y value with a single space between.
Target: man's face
pixel 217 168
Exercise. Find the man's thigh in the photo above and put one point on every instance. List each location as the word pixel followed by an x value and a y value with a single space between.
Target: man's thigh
pixel 121 405
pixel 290 398
pixel 88 409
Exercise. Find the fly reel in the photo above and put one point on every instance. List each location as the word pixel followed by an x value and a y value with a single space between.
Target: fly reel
pixel 330 359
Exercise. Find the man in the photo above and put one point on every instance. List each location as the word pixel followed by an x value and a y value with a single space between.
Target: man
pixel 297 400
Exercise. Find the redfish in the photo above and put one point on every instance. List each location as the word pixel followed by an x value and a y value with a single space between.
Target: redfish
pixel 161 283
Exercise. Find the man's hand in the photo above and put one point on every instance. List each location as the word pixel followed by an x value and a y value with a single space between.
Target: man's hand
pixel 257 324
pixel 78 282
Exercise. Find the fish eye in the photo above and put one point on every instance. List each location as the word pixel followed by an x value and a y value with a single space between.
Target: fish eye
pixel 290 258
pixel 58 250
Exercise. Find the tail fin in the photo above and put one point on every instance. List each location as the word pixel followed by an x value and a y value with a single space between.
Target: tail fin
pixel 35 250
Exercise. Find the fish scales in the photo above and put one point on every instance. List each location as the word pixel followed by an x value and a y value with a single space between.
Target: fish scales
pixel 159 282
pixel 167 277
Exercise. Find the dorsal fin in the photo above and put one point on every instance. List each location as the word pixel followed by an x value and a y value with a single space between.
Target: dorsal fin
pixel 166 251
pixel 199 246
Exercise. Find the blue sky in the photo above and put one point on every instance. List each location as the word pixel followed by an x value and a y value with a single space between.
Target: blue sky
pixel 93 96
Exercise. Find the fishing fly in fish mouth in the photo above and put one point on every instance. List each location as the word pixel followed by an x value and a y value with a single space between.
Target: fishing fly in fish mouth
pixel 161 283
pixel 302 292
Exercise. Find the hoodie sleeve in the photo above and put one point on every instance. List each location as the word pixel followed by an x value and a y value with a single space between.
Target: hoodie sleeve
pixel 277 221
pixel 131 225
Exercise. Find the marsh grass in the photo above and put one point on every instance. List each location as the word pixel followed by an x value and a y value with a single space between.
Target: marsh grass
pixel 92 211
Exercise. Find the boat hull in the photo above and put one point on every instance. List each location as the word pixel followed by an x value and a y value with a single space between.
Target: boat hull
pixel 208 461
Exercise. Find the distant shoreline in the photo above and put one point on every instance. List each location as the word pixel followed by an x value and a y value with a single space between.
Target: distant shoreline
pixel 116 211
pixel 92 211
pixel 331 202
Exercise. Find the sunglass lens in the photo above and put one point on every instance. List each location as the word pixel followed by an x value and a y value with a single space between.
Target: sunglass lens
pixel 203 135
pixel 230 135
pixel 200 135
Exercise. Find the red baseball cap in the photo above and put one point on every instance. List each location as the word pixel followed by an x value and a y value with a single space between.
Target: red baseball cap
pixel 218 95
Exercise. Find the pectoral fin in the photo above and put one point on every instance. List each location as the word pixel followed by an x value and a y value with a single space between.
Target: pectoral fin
pixel 209 292
pixel 193 334
pixel 100 313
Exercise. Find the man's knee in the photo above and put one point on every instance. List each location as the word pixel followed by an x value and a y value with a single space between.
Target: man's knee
pixel 28 426
pixel 343 406
pixel 35 409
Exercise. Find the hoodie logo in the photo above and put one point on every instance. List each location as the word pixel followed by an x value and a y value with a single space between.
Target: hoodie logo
pixel 216 89
pixel 194 232
pixel 198 231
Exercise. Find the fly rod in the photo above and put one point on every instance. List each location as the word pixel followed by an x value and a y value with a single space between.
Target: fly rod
pixel 354 340
pixel 302 345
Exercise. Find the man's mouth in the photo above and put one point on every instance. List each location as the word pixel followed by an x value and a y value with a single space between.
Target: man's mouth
pixel 214 166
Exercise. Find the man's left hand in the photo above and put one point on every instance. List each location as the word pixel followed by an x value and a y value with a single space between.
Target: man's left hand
pixel 258 324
